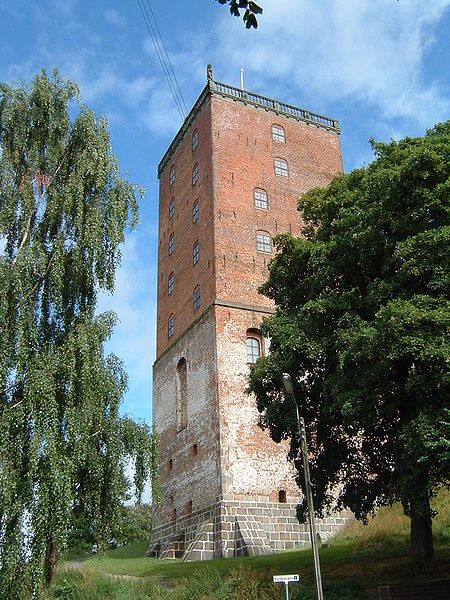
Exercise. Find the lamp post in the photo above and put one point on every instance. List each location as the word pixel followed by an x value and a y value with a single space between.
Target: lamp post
pixel 289 392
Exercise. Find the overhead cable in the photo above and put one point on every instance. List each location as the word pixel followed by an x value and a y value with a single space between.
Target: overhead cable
pixel 163 57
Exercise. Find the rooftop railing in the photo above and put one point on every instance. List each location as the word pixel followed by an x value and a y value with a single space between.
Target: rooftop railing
pixel 281 107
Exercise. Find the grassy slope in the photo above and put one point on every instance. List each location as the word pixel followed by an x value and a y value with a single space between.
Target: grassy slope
pixel 370 555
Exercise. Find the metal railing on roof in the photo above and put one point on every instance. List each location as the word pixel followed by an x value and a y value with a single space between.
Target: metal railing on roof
pixel 281 107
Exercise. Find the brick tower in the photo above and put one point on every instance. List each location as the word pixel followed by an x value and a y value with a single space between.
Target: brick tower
pixel 229 182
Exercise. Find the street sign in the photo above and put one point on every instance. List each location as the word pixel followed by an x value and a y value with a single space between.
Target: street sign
pixel 285 578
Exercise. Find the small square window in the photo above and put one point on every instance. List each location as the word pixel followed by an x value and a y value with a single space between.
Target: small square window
pixel 170 283
pixel 172 174
pixel 171 208
pixel 196 253
pixel 260 199
pixel 278 133
pixel 196 298
pixel 171 244
pixel 281 167
pixel 195 174
pixel 263 242
pixel 195 139
pixel 195 210
pixel 170 327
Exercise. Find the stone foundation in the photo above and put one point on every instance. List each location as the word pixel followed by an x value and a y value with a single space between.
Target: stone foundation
pixel 238 526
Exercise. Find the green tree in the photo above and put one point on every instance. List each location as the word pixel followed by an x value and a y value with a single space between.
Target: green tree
pixel 251 10
pixel 64 209
pixel 361 324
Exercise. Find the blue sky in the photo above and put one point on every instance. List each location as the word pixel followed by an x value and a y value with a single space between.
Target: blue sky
pixel 379 66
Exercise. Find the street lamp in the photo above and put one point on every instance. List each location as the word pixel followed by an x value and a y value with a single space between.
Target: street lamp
pixel 289 392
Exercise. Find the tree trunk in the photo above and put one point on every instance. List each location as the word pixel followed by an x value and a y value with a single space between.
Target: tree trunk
pixel 422 536
pixel 50 558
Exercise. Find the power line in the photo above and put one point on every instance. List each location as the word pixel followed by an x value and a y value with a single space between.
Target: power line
pixel 168 58
pixel 163 57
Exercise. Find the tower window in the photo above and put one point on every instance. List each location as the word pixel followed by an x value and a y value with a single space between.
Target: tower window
pixel 278 133
pixel 181 387
pixel 172 174
pixel 282 496
pixel 171 208
pixel 171 244
pixel 194 449
pixel 195 212
pixel 253 350
pixel 170 283
pixel 170 464
pixel 189 507
pixel 195 253
pixel 260 199
pixel 196 298
pixel 263 242
pixel 281 167
pixel 195 174
pixel 170 326
pixel 195 139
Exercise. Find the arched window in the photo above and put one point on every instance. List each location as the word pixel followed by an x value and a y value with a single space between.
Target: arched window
pixel 195 252
pixel 278 133
pixel 254 345
pixel 260 199
pixel 171 244
pixel 253 350
pixel 172 174
pixel 171 208
pixel 170 283
pixel 195 139
pixel 282 496
pixel 194 449
pixel 281 167
pixel 196 298
pixel 181 391
pixel 195 210
pixel 170 324
pixel 195 174
pixel 263 242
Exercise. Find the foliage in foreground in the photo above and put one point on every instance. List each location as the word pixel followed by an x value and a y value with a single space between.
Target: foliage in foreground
pixel 208 584
pixel 362 556
pixel 362 323
pixel 132 525
pixel 64 210
pixel 251 9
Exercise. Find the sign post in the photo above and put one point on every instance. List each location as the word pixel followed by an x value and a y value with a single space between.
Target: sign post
pixel 286 579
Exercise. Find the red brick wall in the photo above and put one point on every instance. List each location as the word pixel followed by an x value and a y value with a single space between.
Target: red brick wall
pixel 187 275
pixel 243 158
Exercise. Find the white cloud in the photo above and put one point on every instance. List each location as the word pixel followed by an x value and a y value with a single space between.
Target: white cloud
pixel 367 50
pixel 114 18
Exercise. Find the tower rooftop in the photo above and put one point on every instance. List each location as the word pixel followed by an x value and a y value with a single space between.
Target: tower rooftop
pixel 216 88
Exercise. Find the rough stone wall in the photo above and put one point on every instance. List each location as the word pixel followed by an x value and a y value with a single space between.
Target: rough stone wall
pixel 252 463
pixel 238 525
pixel 189 480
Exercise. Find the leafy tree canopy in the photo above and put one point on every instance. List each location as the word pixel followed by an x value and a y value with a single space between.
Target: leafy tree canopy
pixel 64 209
pixel 362 324
pixel 250 10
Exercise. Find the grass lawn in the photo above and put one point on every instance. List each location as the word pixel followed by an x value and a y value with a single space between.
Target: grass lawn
pixel 362 556
pixel 367 567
